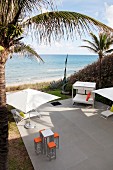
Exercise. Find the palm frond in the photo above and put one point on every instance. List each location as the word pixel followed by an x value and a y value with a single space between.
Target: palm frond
pixel 92 44
pixel 55 24
pixel 95 39
pixel 26 50
pixel 109 42
pixel 109 51
pixel 12 10
pixel 100 44
pixel 103 41
pixel 90 48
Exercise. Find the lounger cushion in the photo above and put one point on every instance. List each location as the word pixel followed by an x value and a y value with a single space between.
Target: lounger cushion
pixel 82 99
pixel 22 114
pixel 111 109
pixel 88 96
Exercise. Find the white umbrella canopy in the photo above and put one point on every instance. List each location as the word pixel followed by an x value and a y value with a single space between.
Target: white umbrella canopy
pixel 105 92
pixel 29 99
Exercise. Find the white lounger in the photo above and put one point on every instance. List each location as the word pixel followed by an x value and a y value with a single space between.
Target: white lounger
pixel 106 114
pixel 18 117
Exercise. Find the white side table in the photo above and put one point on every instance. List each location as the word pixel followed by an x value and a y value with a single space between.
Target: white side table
pixel 48 133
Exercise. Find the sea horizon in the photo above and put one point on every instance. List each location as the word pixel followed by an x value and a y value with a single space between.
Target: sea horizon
pixel 23 70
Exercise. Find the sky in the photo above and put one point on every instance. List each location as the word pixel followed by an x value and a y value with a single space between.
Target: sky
pixel 99 9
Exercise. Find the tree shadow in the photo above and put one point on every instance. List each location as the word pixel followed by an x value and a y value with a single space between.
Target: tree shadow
pixel 17 156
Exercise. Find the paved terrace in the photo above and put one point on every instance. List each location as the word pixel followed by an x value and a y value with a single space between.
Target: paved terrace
pixel 86 139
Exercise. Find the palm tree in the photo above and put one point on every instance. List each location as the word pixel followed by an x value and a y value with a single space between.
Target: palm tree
pixel 100 45
pixel 47 26
pixel 64 82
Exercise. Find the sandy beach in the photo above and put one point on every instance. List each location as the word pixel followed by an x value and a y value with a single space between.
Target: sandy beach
pixel 45 80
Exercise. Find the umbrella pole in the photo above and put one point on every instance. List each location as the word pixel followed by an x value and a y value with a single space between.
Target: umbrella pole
pixel 29 118
pixel 29 125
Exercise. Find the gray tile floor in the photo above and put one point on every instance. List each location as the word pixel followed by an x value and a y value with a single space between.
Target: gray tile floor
pixel 86 139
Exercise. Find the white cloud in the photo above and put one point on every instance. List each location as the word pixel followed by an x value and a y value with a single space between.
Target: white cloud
pixel 109 14
pixel 61 47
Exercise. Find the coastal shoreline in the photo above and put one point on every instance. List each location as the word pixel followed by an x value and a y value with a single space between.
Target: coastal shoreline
pixel 21 71
pixel 46 80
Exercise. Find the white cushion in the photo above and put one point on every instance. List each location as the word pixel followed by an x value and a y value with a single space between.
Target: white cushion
pixel 81 91
pixel 79 98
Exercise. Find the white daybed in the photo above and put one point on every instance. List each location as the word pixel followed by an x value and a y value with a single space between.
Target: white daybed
pixel 82 89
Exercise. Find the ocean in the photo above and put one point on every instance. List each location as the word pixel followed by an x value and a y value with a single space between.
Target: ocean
pixel 21 70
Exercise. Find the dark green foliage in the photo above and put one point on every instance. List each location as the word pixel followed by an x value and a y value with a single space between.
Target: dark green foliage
pixel 68 88
pixel 91 74
pixel 57 92
pixel 55 84
pixel 100 45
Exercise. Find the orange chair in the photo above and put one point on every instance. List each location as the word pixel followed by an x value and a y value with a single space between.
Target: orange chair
pixel 51 150
pixel 56 139
pixel 38 145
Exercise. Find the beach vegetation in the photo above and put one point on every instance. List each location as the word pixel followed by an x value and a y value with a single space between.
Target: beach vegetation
pixel 57 92
pixel 55 84
pixel 37 86
pixel 101 45
pixel 68 88
pixel 15 23
pixel 90 74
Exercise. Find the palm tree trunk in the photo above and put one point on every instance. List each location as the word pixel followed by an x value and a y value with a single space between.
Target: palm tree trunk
pixel 3 121
pixel 100 83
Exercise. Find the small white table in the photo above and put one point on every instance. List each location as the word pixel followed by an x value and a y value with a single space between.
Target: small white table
pixel 48 133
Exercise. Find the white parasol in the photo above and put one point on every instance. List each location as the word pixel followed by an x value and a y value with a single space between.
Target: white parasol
pixel 105 92
pixel 28 100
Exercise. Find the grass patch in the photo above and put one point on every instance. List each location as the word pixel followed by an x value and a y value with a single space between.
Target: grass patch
pixel 18 157
pixel 57 92
pixel 39 86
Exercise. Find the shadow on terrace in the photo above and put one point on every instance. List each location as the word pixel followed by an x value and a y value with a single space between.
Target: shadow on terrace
pixel 86 139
